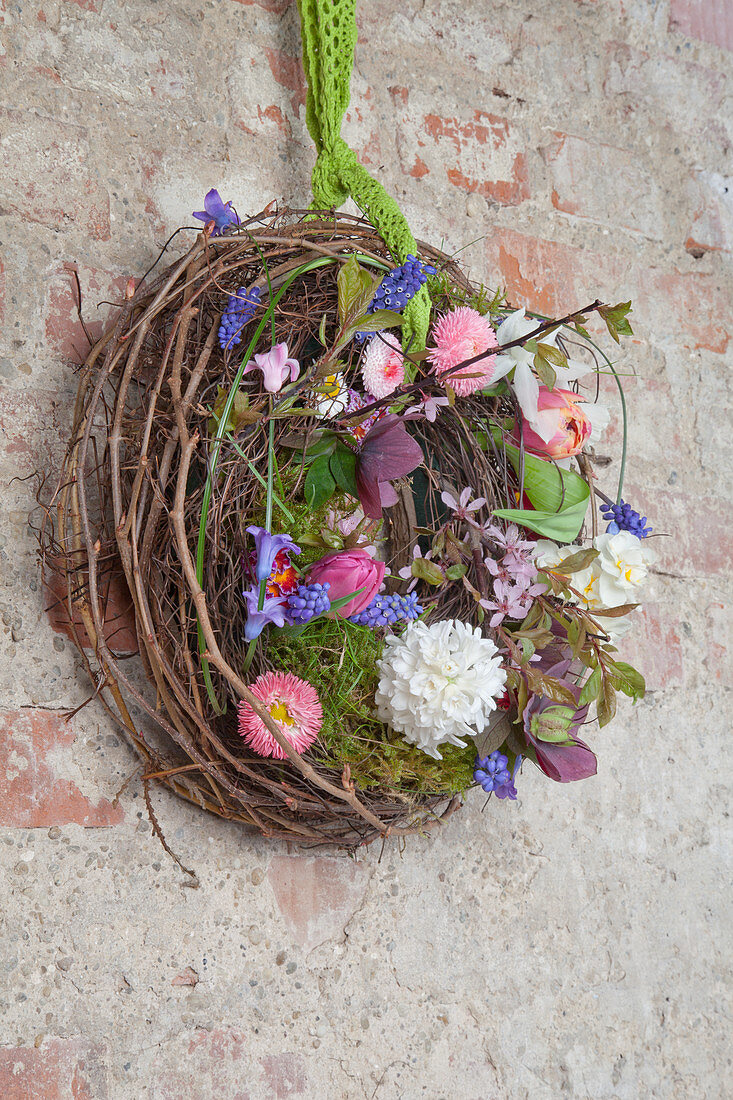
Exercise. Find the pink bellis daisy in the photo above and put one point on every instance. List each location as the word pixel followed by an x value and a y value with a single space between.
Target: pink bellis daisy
pixel 383 365
pixel 460 335
pixel 294 706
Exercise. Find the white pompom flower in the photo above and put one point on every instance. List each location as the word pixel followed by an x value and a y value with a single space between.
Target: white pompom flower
pixel 438 683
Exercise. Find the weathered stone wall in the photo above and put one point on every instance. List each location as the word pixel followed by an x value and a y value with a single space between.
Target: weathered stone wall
pixel 570 945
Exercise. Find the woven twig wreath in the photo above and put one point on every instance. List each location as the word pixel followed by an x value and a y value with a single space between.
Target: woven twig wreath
pixel 129 497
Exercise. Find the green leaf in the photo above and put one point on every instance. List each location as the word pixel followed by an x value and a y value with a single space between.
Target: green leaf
pixel 455 572
pixel 559 526
pixel 527 649
pixel 319 483
pixel 355 291
pixel 627 679
pixel 336 605
pixel 616 320
pixel 342 465
pixel 557 691
pixel 239 413
pixel 323 444
pixel 575 562
pixel 606 703
pixel 545 371
pixel 428 571
pixel 615 612
pixel 591 687
pixel 553 354
pixel 322 330
pixel 380 319
pixel 559 497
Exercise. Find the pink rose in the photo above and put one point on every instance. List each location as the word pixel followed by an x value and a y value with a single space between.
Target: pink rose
pixel 347 571
pixel 563 425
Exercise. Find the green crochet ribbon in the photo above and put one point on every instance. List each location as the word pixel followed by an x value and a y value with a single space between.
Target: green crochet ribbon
pixel 328 31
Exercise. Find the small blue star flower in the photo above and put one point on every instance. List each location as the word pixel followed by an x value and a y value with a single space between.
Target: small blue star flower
pixel 491 771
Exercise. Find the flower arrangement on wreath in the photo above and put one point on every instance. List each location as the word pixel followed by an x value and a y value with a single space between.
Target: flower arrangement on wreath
pixel 495 640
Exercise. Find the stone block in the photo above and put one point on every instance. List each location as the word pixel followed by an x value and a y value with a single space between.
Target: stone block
pixel 39 778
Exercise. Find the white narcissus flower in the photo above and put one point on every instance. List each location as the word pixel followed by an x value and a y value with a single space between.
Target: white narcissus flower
pixel 549 554
pixel 438 683
pixel 614 578
pixel 518 359
pixel 331 396
pixel 621 566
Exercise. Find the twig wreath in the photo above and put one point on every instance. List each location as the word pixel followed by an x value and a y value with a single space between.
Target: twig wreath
pixel 352 497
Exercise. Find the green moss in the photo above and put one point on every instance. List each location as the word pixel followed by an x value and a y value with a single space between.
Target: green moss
pixel 340 660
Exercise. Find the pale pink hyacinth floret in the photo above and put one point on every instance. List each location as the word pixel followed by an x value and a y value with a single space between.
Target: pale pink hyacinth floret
pixel 458 335
pixel 406 571
pixel 429 407
pixel 514 574
pixel 508 537
pixel 461 508
pixel 293 705
pixel 383 365
pixel 511 601
pixel 275 366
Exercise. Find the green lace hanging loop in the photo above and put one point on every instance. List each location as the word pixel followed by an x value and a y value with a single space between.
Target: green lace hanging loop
pixel 328 31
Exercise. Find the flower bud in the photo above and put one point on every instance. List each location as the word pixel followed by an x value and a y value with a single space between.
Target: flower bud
pixel 348 571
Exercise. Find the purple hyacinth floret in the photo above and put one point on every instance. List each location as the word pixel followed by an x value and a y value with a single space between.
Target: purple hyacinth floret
pixel 387 610
pixel 241 308
pixel 622 517
pixel 398 286
pixel 308 601
pixel 272 613
pixel 217 211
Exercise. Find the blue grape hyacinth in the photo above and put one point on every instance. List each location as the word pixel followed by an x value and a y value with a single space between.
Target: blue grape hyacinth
pixel 401 284
pixel 241 308
pixel 622 517
pixel 308 601
pixel 397 287
pixel 492 774
pixel 386 610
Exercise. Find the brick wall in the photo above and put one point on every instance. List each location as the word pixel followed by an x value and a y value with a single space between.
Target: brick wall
pixel 567 946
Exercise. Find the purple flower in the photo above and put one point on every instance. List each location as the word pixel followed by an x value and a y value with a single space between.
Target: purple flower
pixel 551 728
pixel 492 773
pixel 622 517
pixel 308 602
pixel 507 789
pixel 386 610
pixel 273 611
pixel 221 213
pixel 267 547
pixel 275 367
pixel 387 452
